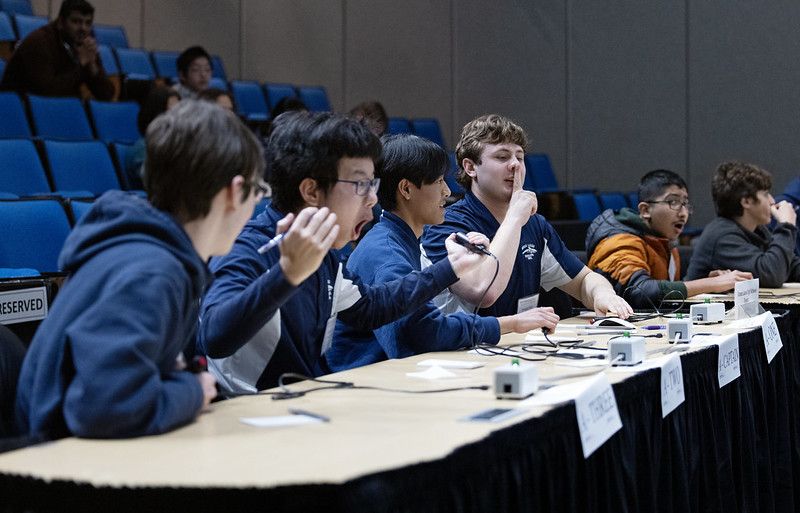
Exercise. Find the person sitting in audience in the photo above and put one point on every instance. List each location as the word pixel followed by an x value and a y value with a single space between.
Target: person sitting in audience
pixel 636 251
pixel 220 96
pixel 738 238
pixel 322 177
pixel 59 58
pixel 413 193
pixel 373 115
pixel 194 72
pixel 158 100
pixel 105 363
pixel 529 253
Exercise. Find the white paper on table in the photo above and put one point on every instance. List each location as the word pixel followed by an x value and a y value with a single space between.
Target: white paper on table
pixel 281 420
pixel 749 322
pixel 432 372
pixel 452 364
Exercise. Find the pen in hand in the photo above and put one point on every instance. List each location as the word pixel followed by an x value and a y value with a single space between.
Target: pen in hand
pixel 272 243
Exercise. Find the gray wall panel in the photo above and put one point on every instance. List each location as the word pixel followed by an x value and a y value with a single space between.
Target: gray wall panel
pixel 626 91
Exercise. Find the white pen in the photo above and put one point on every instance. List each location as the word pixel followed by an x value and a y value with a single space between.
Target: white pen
pixel 272 243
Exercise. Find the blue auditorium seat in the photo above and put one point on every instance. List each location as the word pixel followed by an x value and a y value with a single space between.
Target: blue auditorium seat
pixel 115 121
pixel 586 205
pixel 8 37
pixel 135 63
pixel 450 177
pixel 81 165
pixel 276 92
pixel 28 23
pixel 17 7
pixel 398 126
pixel 429 129
pixel 166 64
pixel 21 170
pixel 613 200
pixel 79 208
pixel 250 101
pixel 540 172
pixel 60 118
pixel 119 153
pixel 13 122
pixel 111 35
pixel 315 97
pixel 217 68
pixel 32 234
pixel 108 59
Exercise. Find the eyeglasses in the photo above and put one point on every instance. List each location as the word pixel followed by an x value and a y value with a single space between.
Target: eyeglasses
pixel 364 186
pixel 260 187
pixel 676 205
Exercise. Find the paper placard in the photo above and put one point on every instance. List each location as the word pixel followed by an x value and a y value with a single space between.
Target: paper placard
pixel 728 364
pixel 598 415
pixel 772 337
pixel 672 394
pixel 23 305
pixel 745 302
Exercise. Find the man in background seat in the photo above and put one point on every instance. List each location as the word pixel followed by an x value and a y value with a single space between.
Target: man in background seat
pixel 59 58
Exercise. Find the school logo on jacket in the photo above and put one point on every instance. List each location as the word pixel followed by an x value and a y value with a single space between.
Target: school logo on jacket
pixel 529 251
pixel 330 291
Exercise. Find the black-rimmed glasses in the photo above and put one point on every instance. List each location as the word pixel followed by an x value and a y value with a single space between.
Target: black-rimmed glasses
pixel 363 186
pixel 676 205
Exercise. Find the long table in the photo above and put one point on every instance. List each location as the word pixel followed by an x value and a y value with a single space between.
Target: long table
pixel 735 448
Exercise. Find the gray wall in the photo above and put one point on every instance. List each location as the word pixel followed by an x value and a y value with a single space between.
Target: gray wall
pixel 608 89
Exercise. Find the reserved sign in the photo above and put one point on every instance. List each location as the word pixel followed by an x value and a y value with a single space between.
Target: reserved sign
pixel 23 305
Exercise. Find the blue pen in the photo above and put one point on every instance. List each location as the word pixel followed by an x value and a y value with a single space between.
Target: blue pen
pixel 656 327
pixel 272 243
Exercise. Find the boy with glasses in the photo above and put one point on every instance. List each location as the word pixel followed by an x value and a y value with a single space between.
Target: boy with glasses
pixel 322 176
pixel 739 236
pixel 637 253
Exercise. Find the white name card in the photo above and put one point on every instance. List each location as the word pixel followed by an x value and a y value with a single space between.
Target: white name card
pixel 745 302
pixel 728 364
pixel 772 337
pixel 597 412
pixel 23 305
pixel 672 394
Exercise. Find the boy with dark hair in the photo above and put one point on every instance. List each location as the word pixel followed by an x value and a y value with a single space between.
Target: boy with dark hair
pixel 59 58
pixel 194 72
pixel 636 251
pixel 322 171
pixel 413 193
pixel 105 362
pixel 530 254
pixel 739 237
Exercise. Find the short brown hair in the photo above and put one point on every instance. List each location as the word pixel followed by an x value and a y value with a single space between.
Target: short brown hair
pixel 488 129
pixel 734 181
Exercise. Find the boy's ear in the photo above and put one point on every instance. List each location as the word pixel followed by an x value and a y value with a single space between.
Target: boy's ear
pixel 404 188
pixel 310 192
pixel 644 210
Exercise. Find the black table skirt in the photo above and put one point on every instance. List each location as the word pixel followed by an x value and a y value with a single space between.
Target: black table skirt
pixel 726 450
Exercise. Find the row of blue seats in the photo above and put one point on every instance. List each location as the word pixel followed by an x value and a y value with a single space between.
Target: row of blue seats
pixel 82 169
pixel 16 26
pixel 29 116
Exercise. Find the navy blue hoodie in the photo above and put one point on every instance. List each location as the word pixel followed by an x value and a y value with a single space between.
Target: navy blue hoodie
pixel 102 364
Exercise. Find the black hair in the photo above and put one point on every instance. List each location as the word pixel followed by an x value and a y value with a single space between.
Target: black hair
pixel 154 104
pixel 310 145
pixel 654 183
pixel 82 6
pixel 212 93
pixel 287 104
pixel 408 156
pixel 195 150
pixel 187 57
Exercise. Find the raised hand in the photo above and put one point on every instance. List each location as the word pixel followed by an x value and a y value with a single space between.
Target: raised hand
pixel 307 239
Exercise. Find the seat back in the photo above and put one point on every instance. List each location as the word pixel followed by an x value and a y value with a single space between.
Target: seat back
pixel 277 92
pixel 217 69
pixel 315 97
pixel 537 165
pixel 613 200
pixel 586 205
pixel 398 126
pixel 81 165
pixel 115 121
pixel 60 118
pixel 79 209
pixel 429 129
pixel 32 234
pixel 17 7
pixel 26 24
pixel 109 59
pixel 450 177
pixel 633 200
pixel 111 35
pixel 120 151
pixel 13 121
pixel 250 101
pixel 166 64
pixel 135 63
pixel 21 170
